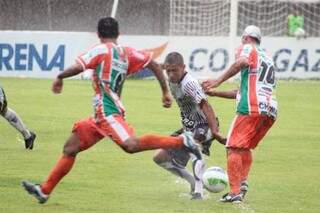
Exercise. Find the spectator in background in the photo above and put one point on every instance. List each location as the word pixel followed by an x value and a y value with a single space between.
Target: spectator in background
pixel 295 25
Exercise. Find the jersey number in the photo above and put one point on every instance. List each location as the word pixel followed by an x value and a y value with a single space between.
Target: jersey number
pixel 267 73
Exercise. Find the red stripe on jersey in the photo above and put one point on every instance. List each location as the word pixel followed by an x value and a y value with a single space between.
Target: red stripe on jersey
pixel 253 62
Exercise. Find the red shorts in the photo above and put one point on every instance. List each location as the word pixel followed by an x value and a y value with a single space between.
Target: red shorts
pixel 112 126
pixel 247 131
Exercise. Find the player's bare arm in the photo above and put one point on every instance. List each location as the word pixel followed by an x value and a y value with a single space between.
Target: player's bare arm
pixel 232 71
pixel 212 122
pixel 157 70
pixel 232 94
pixel 70 71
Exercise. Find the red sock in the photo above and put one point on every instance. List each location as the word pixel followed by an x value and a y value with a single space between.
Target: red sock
pixel 147 142
pixel 246 164
pixel 234 169
pixel 62 167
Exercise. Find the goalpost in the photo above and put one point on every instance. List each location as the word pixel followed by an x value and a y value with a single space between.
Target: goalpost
pixel 228 18
pixel 114 8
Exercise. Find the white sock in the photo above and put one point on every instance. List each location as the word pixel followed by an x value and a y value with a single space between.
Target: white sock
pixel 13 118
pixel 198 167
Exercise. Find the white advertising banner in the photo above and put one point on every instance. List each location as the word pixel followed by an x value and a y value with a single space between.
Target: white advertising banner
pixel 44 54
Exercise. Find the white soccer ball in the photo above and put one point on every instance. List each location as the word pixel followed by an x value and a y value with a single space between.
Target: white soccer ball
pixel 215 179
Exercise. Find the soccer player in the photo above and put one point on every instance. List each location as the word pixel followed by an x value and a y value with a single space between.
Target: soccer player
pixel 197 116
pixel 13 118
pixel 111 64
pixel 256 108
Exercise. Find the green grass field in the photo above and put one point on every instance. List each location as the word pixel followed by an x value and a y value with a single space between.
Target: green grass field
pixel 285 176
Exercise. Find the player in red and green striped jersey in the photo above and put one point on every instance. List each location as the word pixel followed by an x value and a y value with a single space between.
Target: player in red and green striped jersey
pixel 111 63
pixel 256 108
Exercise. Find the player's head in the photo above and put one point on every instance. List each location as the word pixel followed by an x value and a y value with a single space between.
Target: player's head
pixel 251 34
pixel 174 66
pixel 108 28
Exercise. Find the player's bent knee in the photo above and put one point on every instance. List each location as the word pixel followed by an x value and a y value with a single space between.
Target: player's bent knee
pixel 70 150
pixel 161 156
pixel 72 146
pixel 131 145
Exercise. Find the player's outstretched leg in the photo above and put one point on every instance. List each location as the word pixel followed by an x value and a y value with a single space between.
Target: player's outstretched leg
pixel 164 159
pixel 62 167
pixel 152 141
pixel 13 118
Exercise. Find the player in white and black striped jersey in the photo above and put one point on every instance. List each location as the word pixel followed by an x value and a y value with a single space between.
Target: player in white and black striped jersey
pixel 197 116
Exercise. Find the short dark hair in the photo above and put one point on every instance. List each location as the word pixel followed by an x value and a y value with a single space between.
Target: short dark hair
pixel 108 28
pixel 174 58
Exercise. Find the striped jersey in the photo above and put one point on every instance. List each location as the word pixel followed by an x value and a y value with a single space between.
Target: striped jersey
pixel 188 95
pixel 257 86
pixel 111 64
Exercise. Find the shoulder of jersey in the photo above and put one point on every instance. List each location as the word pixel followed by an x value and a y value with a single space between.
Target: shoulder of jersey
pixel 188 79
pixel 246 48
pixel 99 49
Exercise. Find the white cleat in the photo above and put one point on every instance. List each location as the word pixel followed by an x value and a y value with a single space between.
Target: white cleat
pixel 191 145
pixel 35 190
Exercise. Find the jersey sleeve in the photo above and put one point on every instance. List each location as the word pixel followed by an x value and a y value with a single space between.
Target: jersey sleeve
pixel 249 52
pixel 93 57
pixel 137 59
pixel 195 91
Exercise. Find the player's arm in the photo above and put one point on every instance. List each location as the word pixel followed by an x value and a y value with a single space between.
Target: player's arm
pixel 68 72
pixel 232 94
pixel 158 72
pixel 212 121
pixel 232 71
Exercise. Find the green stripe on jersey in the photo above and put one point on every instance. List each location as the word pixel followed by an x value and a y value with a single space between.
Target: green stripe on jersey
pixel 243 107
pixel 113 73
pixel 109 106
pixel 99 70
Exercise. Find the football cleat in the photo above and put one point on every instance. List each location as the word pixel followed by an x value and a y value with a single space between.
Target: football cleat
pixel 229 198
pixel 191 145
pixel 35 190
pixel 29 141
pixel 196 196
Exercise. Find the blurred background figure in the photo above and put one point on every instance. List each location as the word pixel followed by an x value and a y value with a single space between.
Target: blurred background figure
pixel 295 25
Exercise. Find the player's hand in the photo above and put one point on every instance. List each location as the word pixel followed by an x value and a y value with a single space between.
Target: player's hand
pixel 210 83
pixel 57 86
pixel 211 92
pixel 220 138
pixel 166 100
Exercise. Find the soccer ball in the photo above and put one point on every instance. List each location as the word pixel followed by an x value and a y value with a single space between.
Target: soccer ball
pixel 215 179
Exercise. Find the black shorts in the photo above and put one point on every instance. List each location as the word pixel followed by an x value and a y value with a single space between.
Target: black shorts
pixel 3 101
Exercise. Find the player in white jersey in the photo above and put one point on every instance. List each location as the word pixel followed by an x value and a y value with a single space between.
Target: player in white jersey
pixel 15 121
pixel 197 116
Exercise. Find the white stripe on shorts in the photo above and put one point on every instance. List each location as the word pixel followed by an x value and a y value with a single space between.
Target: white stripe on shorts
pixel 118 128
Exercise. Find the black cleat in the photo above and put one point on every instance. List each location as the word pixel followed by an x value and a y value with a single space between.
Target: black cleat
pixel 29 141
pixel 229 198
pixel 196 196
pixel 35 190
